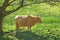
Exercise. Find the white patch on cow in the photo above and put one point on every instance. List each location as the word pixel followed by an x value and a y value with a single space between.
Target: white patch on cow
pixel 24 16
pixel 17 16
pixel 33 16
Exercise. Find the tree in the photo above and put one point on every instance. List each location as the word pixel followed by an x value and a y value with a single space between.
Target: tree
pixel 22 3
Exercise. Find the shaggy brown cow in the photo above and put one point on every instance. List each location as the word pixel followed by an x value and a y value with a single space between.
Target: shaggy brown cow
pixel 27 21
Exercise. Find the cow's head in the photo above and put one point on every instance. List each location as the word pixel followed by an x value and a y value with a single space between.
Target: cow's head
pixel 39 20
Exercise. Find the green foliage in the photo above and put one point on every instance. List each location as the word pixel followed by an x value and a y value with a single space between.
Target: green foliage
pixel 1 2
pixel 48 30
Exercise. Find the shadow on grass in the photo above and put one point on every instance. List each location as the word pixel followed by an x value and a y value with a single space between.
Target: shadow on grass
pixel 28 35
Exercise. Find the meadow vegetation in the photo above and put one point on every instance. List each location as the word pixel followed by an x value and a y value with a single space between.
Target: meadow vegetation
pixel 49 29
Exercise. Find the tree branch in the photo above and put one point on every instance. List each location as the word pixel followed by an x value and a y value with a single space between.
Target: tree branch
pixel 10 2
pixel 5 4
pixel 21 5
pixel 11 11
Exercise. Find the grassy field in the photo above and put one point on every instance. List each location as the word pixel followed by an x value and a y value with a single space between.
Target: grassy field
pixel 48 30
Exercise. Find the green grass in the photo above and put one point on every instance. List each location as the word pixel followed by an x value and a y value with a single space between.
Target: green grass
pixel 49 29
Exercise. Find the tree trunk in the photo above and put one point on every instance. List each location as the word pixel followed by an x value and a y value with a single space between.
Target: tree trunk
pixel 1 28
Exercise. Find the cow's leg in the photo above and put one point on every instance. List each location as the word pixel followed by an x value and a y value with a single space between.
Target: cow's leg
pixel 17 26
pixel 29 28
